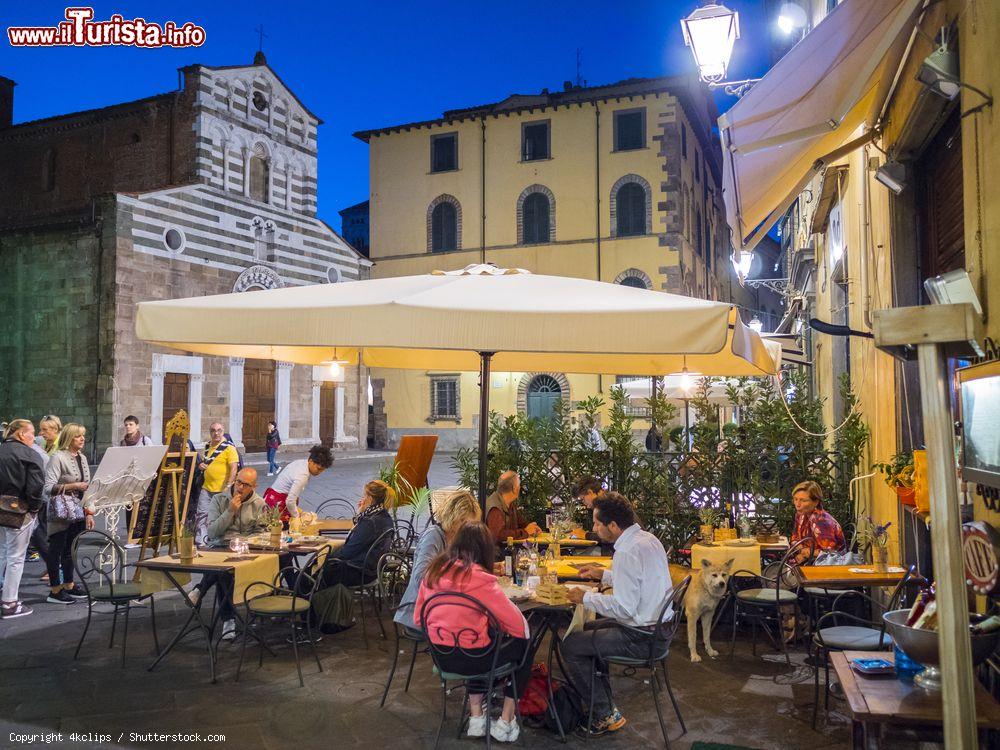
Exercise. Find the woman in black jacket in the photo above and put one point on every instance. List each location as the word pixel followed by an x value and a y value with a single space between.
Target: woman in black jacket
pixel 347 565
pixel 22 476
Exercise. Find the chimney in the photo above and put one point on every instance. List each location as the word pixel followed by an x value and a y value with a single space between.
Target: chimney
pixel 6 102
pixel 567 85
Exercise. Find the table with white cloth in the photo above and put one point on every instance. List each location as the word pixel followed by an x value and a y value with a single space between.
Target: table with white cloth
pixel 744 557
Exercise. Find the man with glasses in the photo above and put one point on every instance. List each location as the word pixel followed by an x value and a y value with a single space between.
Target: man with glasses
pixel 236 513
pixel 219 465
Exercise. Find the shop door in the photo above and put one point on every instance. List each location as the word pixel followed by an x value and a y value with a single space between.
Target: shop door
pixel 258 403
pixel 942 215
pixel 175 396
pixel 327 409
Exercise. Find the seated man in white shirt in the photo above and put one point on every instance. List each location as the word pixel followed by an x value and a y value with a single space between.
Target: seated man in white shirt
pixel 641 581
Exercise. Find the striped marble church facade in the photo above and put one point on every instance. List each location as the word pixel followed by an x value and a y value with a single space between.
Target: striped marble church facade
pixel 212 190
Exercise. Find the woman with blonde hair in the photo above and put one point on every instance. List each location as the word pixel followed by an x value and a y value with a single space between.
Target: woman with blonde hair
pixel 21 477
pixel 348 564
pixel 49 428
pixel 67 477
pixel 813 522
pixel 457 510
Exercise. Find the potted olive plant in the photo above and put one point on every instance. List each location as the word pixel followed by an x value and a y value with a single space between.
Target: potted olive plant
pixel 185 543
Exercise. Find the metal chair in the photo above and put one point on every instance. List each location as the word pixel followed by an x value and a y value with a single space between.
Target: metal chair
pixel 107 586
pixel 779 586
pixel 859 635
pixel 497 670
pixel 404 537
pixel 279 603
pixel 367 575
pixel 659 640
pixel 336 507
pixel 393 577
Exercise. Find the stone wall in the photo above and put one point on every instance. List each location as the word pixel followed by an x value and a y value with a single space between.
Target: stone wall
pixel 60 164
pixel 56 343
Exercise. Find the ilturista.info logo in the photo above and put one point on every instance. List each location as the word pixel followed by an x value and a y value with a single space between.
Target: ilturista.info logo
pixel 81 30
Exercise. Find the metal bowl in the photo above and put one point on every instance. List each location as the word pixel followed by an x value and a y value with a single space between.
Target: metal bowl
pixel 922 646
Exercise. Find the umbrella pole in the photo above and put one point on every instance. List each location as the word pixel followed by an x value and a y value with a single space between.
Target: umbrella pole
pixel 484 423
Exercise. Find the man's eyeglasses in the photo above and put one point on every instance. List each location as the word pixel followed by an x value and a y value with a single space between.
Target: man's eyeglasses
pixel 243 484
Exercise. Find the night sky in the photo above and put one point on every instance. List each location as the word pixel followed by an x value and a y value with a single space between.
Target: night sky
pixel 370 64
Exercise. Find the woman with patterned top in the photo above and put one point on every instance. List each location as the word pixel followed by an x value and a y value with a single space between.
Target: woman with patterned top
pixel 812 522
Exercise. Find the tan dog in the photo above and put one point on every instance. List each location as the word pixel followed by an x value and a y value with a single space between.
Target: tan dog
pixel 708 587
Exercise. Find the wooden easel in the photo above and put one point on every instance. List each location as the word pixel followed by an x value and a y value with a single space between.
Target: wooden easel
pixel 169 496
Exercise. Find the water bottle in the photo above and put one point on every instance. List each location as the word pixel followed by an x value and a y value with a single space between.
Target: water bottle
pixel 906 668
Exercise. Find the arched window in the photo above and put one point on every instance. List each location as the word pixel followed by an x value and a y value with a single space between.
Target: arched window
pixel 544 392
pixel 633 281
pixel 444 227
pixel 260 170
pixel 631 210
pixel 536 219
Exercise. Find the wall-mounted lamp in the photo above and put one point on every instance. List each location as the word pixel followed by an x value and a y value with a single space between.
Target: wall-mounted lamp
pixel 939 73
pixel 892 174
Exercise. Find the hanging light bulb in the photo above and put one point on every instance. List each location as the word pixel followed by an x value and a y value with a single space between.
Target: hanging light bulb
pixel 756 324
pixel 336 366
pixel 686 382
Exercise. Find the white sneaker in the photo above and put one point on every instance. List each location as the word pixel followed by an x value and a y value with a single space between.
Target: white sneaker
pixel 504 731
pixel 194 596
pixel 270 473
pixel 477 726
pixel 229 630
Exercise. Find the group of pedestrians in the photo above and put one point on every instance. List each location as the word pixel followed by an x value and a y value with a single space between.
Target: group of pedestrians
pixel 43 478
pixel 41 491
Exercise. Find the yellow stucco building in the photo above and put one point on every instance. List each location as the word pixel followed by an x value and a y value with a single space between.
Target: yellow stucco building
pixel 854 246
pixel 619 183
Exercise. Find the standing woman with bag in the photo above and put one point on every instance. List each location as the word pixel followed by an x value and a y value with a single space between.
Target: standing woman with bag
pixel 21 483
pixel 67 476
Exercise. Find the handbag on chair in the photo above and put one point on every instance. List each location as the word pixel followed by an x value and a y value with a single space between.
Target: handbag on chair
pixel 13 512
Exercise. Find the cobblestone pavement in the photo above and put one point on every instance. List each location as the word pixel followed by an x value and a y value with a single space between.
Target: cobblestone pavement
pixel 750 701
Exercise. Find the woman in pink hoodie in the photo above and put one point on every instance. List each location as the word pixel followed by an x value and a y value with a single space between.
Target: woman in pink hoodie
pixel 464 567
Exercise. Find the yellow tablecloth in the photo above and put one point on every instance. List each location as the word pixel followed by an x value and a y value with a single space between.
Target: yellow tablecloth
pixel 744 558
pixel 257 566
pixel 566 567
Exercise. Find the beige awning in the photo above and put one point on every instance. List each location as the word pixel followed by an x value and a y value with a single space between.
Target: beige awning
pixel 805 112
pixel 442 320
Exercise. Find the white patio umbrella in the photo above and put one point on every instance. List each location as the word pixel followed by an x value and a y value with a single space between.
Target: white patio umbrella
pixel 478 318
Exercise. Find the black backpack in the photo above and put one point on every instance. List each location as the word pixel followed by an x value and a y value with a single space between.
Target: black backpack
pixel 568 706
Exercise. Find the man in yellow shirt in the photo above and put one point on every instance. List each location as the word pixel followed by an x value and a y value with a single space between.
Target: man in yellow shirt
pixel 219 465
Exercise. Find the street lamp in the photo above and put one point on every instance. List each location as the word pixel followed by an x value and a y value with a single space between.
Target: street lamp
pixel 742 261
pixel 710 32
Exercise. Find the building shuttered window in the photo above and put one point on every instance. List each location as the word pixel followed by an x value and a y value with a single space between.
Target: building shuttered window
pixel 445 397
pixel 536 219
pixel 631 210
pixel 444 228
pixel 630 129
pixel 534 141
pixel 444 152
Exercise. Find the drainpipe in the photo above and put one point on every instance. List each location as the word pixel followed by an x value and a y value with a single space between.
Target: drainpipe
pixel 482 228
pixel 866 209
pixel 597 204
pixel 597 183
